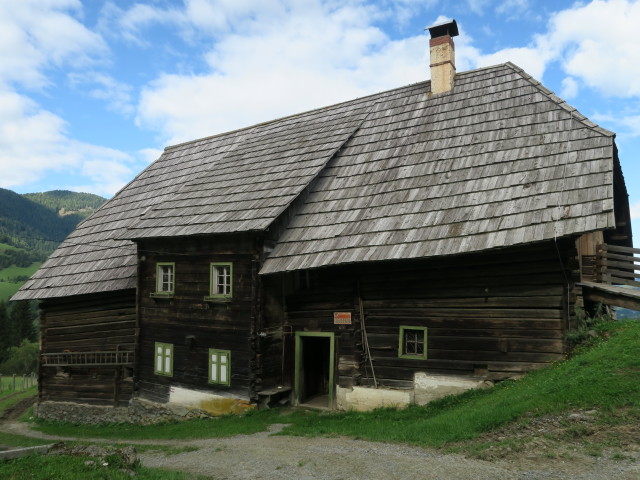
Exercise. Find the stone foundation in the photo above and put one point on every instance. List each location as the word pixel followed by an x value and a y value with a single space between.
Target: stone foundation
pixel 139 412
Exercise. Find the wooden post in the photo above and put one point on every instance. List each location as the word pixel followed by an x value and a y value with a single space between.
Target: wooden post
pixel 116 386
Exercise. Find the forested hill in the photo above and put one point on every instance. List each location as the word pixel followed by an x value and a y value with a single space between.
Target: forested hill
pixel 65 203
pixel 36 223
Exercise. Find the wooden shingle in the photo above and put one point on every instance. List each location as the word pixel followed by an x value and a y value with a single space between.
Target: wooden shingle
pixel 497 161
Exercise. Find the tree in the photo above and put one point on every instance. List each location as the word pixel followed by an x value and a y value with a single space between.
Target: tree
pixel 21 360
pixel 5 336
pixel 21 319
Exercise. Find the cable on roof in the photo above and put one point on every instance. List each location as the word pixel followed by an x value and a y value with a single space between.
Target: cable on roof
pixel 555 225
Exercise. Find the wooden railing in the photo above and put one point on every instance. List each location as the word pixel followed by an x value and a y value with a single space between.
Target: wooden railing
pixel 618 265
pixel 87 359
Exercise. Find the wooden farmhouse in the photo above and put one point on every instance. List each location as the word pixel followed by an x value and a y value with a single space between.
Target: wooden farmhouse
pixel 385 250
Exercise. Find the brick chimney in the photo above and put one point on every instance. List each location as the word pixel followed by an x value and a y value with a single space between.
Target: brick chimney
pixel 443 58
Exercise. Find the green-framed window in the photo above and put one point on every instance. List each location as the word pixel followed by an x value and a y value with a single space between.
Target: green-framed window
pixel 221 281
pixel 163 359
pixel 219 366
pixel 165 278
pixel 412 342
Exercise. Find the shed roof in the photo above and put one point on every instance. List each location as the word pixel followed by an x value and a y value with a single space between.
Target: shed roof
pixel 497 161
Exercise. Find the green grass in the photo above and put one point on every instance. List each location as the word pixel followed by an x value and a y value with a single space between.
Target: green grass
pixel 8 399
pixel 604 377
pixel 13 271
pixel 39 467
pixel 7 385
pixel 12 440
pixel 8 289
pixel 4 246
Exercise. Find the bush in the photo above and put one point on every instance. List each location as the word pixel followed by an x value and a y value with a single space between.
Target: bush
pixel 21 360
pixel 587 327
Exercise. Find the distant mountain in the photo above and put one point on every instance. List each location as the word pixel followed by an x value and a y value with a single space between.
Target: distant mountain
pixel 32 226
pixel 628 314
pixel 36 223
pixel 66 203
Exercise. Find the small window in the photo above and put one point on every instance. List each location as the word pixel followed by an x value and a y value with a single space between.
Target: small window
pixel 219 366
pixel 413 342
pixel 221 286
pixel 164 359
pixel 165 278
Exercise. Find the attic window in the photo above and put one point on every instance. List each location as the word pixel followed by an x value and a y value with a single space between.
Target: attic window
pixel 165 278
pixel 221 285
pixel 413 342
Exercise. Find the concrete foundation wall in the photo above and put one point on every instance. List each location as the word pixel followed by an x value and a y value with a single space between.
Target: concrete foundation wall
pixel 426 388
pixel 214 404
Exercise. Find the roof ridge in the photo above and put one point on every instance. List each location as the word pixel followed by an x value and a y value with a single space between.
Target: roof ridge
pixel 299 114
pixel 326 107
pixel 561 102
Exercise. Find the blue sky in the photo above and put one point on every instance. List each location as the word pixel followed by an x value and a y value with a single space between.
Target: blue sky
pixel 92 91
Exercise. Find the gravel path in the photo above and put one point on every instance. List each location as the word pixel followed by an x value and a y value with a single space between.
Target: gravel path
pixel 264 456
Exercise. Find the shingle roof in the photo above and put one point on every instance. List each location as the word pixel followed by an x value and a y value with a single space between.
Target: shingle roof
pixel 255 176
pixel 497 161
pixel 233 182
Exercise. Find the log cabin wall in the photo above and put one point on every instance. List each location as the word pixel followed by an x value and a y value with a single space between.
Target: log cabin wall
pixel 493 315
pixel 312 298
pixel 192 325
pixel 276 339
pixel 103 322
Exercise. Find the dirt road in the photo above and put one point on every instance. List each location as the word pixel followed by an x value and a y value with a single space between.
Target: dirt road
pixel 265 456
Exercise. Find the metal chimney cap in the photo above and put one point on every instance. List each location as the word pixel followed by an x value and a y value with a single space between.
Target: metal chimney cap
pixel 448 27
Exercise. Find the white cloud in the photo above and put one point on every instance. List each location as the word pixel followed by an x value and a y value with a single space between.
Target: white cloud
pixel 635 210
pixel 598 43
pixel 313 56
pixel 149 155
pixel 106 170
pixel 130 23
pixel 33 144
pixel 35 35
pixel 100 86
pixel 513 8
pixel 625 120
pixel 569 88
pixel 36 38
pixel 595 43
pixel 30 138
pixel 477 6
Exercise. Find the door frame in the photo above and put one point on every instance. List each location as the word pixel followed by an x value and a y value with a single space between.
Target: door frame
pixel 299 363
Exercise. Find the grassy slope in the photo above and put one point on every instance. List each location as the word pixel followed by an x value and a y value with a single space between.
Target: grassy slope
pixel 7 289
pixel 604 377
pixel 14 271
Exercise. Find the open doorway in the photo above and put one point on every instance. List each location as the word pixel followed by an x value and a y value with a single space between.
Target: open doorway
pixel 314 369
